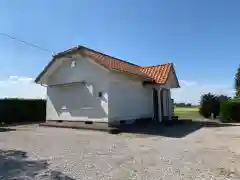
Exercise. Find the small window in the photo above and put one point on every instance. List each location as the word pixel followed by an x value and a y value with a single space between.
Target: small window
pixel 100 94
pixel 73 64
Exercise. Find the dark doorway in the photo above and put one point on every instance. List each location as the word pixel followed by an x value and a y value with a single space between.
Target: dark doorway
pixel 155 104
pixel 161 103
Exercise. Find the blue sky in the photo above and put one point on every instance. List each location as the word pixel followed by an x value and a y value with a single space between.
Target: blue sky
pixel 202 39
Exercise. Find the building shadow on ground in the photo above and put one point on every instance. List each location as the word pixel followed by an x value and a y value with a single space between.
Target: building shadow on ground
pixel 16 165
pixel 4 129
pixel 177 129
pixel 22 123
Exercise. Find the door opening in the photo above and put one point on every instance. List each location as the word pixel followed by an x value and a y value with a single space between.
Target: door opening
pixel 162 104
pixel 155 105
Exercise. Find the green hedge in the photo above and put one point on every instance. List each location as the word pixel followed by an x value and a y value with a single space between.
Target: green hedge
pixel 230 111
pixel 22 110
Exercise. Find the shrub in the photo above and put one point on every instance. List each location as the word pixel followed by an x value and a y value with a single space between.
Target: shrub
pixel 209 104
pixel 230 111
pixel 223 98
pixel 237 82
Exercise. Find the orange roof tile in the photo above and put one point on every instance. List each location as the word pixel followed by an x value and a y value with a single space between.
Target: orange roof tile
pixel 158 74
pixel 113 63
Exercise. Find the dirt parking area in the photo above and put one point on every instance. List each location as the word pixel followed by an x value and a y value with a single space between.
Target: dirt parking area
pixel 32 152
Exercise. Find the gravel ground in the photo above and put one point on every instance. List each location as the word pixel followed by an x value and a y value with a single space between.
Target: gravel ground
pixel 32 152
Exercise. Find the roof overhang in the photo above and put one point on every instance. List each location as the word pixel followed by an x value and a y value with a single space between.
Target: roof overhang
pixel 153 74
pixel 176 84
pixel 80 83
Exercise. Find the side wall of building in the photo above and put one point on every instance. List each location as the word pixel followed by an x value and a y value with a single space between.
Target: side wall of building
pixel 129 99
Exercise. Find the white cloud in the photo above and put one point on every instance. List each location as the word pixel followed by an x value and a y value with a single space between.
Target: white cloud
pixel 21 87
pixel 191 91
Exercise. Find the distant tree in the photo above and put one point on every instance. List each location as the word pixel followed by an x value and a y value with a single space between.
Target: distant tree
pixel 237 83
pixel 181 105
pixel 188 104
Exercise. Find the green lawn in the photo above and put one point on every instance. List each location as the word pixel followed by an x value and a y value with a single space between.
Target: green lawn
pixel 187 112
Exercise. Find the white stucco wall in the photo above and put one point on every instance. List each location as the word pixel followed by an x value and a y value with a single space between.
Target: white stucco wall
pixel 78 103
pixel 128 99
pixel 172 81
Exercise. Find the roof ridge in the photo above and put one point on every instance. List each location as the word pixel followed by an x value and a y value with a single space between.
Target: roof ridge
pixel 66 51
pixel 80 46
pixel 150 66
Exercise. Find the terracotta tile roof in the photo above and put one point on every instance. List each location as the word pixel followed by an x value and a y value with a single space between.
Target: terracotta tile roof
pixel 156 74
pixel 112 63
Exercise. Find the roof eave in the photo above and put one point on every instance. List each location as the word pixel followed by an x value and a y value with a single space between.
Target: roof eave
pixel 141 76
pixel 38 78
pixel 54 58
pixel 174 73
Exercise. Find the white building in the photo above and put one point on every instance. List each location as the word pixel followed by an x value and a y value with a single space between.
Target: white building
pixel 86 85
